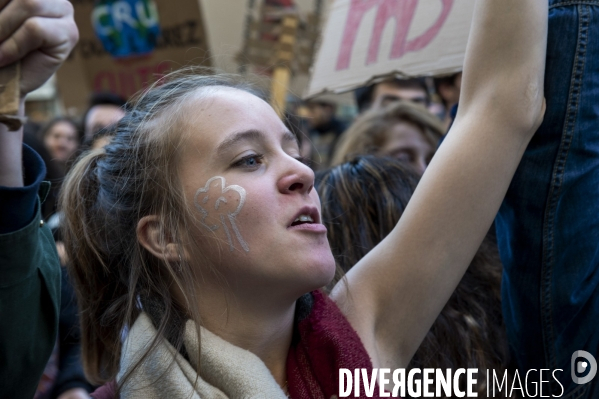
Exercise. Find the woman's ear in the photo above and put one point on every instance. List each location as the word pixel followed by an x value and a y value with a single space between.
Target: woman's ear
pixel 155 240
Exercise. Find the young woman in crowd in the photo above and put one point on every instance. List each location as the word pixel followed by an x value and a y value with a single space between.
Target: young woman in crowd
pixel 197 229
pixel 362 201
pixel 402 130
pixel 61 138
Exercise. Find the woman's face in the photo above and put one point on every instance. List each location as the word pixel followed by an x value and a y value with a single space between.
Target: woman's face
pixel 257 212
pixel 406 141
pixel 61 141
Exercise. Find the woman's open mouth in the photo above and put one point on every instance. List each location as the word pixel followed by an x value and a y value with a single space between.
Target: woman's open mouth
pixel 308 219
pixel 302 219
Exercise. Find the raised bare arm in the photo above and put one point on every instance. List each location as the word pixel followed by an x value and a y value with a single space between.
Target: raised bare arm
pixel 394 294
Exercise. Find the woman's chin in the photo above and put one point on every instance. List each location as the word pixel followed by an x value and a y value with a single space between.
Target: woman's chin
pixel 320 272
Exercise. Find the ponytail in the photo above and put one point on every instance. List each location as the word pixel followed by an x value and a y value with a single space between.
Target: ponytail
pixel 89 267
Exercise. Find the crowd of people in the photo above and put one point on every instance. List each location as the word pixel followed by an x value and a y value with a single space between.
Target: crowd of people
pixel 194 245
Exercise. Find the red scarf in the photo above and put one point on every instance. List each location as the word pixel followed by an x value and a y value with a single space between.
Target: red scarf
pixel 324 343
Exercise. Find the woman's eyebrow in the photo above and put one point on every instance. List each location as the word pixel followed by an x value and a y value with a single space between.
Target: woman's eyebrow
pixel 247 135
pixel 251 135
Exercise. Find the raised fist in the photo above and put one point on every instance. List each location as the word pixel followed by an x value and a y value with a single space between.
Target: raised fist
pixel 39 33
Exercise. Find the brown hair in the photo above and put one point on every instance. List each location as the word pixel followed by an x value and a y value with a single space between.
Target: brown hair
pixel 362 201
pixel 371 130
pixel 105 195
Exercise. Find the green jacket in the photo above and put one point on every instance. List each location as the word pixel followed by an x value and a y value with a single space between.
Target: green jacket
pixel 29 306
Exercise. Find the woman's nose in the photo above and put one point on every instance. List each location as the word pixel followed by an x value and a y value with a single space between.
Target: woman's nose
pixel 298 179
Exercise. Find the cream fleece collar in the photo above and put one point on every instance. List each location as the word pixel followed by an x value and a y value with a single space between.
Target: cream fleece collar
pixel 227 371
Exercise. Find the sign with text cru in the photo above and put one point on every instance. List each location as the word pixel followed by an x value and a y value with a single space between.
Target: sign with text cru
pixel 125 45
pixel 367 39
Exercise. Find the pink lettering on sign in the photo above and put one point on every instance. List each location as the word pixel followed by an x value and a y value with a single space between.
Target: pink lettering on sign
pixel 403 12
pixel 128 82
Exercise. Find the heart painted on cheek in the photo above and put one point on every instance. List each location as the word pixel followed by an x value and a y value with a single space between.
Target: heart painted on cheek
pixel 219 208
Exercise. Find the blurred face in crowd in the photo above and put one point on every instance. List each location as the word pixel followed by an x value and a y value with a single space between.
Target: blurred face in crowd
pixel 101 116
pixel 258 215
pixel 61 140
pixel 385 93
pixel 406 141
pixel 320 114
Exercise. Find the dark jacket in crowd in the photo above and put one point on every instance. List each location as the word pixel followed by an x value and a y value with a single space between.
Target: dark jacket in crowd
pixel 70 371
pixel 29 283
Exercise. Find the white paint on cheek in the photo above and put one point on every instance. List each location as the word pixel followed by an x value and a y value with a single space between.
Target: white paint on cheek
pixel 224 216
pixel 218 201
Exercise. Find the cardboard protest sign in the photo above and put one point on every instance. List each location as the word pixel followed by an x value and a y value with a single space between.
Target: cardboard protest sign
pixel 367 39
pixel 125 45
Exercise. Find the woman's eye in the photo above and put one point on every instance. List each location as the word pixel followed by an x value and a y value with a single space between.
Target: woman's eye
pixel 249 161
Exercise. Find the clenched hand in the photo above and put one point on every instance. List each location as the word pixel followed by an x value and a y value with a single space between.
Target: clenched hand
pixel 39 33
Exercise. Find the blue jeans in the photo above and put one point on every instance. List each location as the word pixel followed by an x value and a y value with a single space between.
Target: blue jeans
pixel 548 225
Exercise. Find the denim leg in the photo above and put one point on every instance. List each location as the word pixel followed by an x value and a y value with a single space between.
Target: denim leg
pixel 548 225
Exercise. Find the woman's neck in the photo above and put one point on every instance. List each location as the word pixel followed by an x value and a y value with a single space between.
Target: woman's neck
pixel 264 328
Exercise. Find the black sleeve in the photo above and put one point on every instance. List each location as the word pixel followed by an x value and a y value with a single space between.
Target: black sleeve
pixel 70 370
pixel 19 203
pixel 29 285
